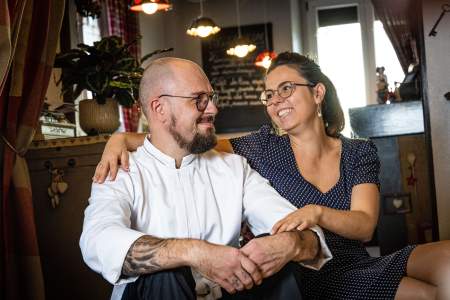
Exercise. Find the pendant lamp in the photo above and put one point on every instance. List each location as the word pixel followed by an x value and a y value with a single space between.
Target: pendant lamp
pixel 203 26
pixel 264 59
pixel 150 6
pixel 241 46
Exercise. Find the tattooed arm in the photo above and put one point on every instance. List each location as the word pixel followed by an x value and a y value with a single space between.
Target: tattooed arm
pixel 150 254
pixel 222 264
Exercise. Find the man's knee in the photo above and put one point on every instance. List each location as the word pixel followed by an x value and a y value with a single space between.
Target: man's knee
pixel 285 284
pixel 170 284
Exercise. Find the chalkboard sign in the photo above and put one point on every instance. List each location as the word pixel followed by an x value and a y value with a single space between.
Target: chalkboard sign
pixel 237 80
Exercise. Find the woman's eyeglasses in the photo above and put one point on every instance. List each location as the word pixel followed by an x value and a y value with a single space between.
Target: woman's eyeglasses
pixel 284 90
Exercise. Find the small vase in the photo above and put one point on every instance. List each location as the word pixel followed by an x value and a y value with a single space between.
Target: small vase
pixel 99 118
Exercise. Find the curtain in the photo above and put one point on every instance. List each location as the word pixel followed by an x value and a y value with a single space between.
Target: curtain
pixel 29 31
pixel 124 23
pixel 401 23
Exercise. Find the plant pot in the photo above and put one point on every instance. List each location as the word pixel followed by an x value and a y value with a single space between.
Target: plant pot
pixel 99 118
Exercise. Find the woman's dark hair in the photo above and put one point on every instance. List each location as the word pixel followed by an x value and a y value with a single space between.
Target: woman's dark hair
pixel 332 114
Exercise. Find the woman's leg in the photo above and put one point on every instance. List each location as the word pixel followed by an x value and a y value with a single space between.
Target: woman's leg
pixel 429 264
pixel 413 289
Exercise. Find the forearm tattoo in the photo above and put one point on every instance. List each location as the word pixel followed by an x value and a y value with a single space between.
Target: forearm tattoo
pixel 144 256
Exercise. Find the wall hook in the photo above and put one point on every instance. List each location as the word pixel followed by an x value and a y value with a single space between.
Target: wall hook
pixel 445 9
pixel 447 96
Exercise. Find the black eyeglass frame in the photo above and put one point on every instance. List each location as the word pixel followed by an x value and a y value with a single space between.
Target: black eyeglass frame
pixel 277 91
pixel 199 103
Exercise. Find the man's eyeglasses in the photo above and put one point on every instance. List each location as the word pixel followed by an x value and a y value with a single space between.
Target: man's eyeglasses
pixel 201 100
pixel 284 90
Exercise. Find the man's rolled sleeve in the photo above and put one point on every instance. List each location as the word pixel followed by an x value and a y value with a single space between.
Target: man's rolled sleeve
pixel 324 252
pixel 107 236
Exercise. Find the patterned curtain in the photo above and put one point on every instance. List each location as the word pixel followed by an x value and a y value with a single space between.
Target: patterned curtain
pixel 124 23
pixel 401 23
pixel 29 31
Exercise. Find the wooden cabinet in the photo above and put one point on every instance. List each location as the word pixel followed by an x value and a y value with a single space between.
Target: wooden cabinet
pixel 59 229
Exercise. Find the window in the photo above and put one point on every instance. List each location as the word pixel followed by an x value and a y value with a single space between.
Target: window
pixel 385 55
pixel 349 44
pixel 90 30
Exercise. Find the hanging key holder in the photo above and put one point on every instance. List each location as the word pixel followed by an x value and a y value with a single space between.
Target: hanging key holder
pixel 445 9
pixel 57 186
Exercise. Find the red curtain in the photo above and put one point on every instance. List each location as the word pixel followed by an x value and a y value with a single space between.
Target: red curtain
pixel 125 23
pixel 29 31
pixel 401 23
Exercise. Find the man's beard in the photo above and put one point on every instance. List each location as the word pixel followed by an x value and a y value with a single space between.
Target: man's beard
pixel 200 142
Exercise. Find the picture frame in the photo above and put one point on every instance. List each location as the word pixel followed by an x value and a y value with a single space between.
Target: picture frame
pixel 397 203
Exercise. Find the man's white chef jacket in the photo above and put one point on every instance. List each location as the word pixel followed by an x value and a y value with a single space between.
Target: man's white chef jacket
pixel 207 198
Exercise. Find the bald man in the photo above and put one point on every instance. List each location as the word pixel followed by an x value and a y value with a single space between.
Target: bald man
pixel 169 227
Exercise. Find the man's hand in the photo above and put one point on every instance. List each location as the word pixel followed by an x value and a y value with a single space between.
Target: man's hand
pixel 227 266
pixel 271 253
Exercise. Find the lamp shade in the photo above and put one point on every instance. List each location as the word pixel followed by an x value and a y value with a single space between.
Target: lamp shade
pixel 264 59
pixel 150 6
pixel 241 47
pixel 203 27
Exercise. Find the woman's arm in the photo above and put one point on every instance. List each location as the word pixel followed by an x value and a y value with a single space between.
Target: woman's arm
pixel 358 223
pixel 115 153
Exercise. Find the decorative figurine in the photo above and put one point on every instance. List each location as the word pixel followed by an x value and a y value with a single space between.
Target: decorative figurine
pixel 382 86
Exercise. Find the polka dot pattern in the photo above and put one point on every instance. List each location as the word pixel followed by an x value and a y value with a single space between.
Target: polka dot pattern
pixel 352 273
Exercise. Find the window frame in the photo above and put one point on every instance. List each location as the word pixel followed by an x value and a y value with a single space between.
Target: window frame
pixel 366 19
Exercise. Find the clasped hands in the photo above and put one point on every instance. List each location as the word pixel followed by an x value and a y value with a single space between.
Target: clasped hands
pixel 238 269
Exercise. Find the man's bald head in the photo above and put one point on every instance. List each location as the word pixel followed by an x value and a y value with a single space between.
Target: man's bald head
pixel 162 76
pixel 170 91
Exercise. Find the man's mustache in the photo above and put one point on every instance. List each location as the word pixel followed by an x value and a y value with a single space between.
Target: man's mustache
pixel 206 119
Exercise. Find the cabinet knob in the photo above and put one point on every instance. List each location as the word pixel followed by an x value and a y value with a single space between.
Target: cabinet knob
pixel 71 162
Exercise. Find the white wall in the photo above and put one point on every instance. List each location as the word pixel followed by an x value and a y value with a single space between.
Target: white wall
pixel 438 75
pixel 169 29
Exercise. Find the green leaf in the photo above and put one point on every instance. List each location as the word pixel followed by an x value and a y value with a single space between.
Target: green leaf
pixel 107 69
pixel 124 98
pixel 145 57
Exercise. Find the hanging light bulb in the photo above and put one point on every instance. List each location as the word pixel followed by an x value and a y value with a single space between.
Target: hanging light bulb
pixel 264 59
pixel 150 6
pixel 242 46
pixel 202 26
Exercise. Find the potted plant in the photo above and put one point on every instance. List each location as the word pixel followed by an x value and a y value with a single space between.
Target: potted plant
pixel 110 72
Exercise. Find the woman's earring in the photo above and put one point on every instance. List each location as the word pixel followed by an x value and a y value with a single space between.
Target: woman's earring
pixel 319 111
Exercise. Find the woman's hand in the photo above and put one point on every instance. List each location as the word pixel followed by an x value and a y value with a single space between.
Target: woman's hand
pixel 115 153
pixel 301 219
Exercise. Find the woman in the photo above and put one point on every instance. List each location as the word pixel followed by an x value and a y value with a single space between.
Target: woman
pixel 334 182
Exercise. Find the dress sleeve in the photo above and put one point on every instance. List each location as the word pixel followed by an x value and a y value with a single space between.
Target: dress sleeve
pixel 367 164
pixel 253 145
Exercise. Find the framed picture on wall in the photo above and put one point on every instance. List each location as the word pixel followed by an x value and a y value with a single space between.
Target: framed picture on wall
pixel 238 81
pixel 397 204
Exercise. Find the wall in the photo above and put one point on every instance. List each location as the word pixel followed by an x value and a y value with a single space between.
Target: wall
pixel 438 73
pixel 169 29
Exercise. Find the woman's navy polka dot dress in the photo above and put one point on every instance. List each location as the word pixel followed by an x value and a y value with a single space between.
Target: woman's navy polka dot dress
pixel 352 273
